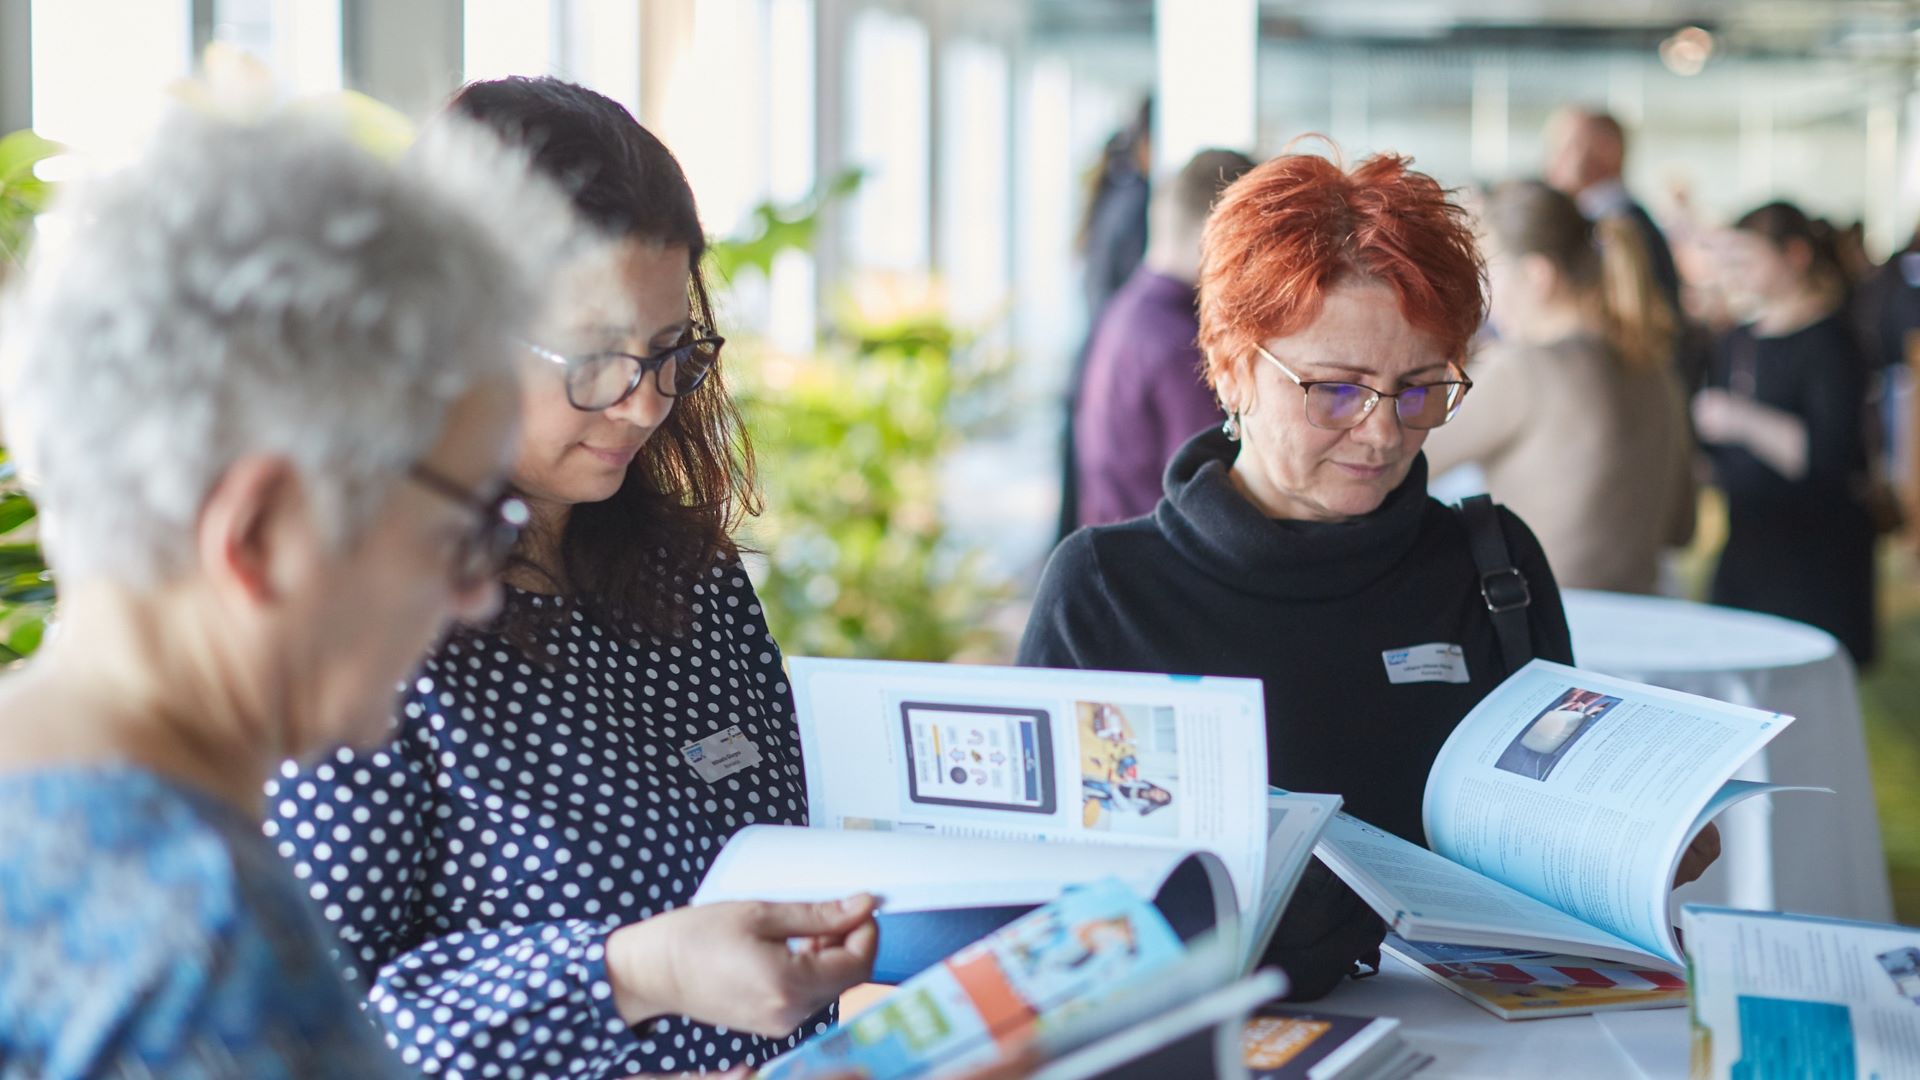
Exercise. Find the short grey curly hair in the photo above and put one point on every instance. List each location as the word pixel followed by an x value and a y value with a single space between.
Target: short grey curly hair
pixel 262 287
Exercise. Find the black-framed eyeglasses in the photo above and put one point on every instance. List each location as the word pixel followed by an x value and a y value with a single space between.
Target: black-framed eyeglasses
pixel 482 551
pixel 1341 406
pixel 600 380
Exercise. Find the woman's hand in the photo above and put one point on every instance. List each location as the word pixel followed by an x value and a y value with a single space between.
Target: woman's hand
pixel 1702 853
pixel 750 966
pixel 1775 436
pixel 1719 416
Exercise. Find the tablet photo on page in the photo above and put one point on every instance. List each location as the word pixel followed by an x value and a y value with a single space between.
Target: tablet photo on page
pixel 987 756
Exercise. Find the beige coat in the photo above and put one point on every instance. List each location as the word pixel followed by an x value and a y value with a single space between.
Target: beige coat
pixel 1595 458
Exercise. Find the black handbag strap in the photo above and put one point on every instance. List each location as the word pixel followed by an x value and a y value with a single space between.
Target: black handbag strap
pixel 1502 585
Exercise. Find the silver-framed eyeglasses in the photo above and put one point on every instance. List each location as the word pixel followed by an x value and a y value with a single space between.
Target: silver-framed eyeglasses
pixel 1341 406
pixel 600 380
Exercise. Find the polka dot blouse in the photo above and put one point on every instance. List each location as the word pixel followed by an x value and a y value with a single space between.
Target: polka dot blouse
pixel 526 807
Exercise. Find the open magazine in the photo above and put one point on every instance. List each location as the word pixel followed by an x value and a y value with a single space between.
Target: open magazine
pixel 966 796
pixel 1097 981
pixel 1797 995
pixel 1519 984
pixel 1557 813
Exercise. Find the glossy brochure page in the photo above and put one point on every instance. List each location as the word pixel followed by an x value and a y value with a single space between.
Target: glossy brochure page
pixel 1084 757
pixel 1580 790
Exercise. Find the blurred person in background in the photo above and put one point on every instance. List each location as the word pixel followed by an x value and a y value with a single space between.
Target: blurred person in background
pixel 510 872
pixel 267 409
pixel 1586 158
pixel 1113 232
pixel 1112 240
pixel 1783 421
pixel 1143 394
pixel 1579 422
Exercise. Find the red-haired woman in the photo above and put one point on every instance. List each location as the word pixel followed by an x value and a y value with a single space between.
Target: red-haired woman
pixel 1298 545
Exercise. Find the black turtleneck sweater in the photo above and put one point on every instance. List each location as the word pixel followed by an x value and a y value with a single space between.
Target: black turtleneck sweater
pixel 1208 585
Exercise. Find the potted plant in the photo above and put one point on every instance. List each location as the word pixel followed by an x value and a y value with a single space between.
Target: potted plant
pixel 26 588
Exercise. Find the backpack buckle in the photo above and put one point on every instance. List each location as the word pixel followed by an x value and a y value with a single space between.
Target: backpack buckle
pixel 1505 590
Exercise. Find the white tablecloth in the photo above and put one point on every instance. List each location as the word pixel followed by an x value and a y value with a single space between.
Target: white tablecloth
pixel 1467 1042
pixel 1796 851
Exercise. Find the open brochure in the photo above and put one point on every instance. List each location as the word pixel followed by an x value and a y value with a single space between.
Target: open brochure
pixel 1517 984
pixel 1796 995
pixel 1097 981
pixel 1556 814
pixel 967 795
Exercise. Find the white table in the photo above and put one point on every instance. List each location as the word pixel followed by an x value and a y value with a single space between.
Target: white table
pixel 1468 1042
pixel 1804 852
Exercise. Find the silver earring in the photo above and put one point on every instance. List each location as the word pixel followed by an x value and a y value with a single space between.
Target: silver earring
pixel 1231 429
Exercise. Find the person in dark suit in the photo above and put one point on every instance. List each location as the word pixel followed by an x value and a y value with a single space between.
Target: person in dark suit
pixel 1586 156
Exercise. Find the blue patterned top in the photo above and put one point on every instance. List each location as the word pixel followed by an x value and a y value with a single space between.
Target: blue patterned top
pixel 148 930
pixel 528 805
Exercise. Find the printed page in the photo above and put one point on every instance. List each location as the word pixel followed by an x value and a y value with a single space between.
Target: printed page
pixel 1580 790
pixel 1036 972
pixel 916 871
pixel 1424 897
pixel 1116 759
pixel 1794 995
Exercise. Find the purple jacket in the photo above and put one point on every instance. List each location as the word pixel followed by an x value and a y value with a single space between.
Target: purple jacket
pixel 1142 396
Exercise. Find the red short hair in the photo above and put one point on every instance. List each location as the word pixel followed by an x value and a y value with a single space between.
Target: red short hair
pixel 1298 224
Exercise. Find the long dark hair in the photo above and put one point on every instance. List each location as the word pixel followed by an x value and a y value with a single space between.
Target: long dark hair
pixel 633 558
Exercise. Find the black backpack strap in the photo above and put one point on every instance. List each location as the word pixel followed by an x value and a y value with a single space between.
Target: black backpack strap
pixel 1502 585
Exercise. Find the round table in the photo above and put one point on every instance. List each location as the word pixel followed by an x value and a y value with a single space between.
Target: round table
pixel 1797 851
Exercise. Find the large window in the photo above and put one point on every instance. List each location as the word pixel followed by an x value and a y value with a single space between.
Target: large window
pixel 974 168
pixel 887 126
pixel 592 42
pixel 99 69
pixel 297 40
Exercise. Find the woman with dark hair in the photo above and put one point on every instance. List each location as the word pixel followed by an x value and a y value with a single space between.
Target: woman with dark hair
pixel 509 872
pixel 1784 421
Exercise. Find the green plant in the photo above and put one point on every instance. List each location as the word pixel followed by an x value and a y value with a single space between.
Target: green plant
pixel 26 588
pixel 854 559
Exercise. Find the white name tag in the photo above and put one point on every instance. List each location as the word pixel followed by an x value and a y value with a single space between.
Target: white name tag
pixel 1436 662
pixel 721 754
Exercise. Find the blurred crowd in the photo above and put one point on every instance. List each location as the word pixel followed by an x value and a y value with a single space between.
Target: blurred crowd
pixel 1628 365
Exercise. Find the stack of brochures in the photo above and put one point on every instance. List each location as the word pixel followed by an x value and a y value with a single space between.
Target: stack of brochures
pixel 968 796
pixel 1556 816
pixel 1794 995
pixel 1285 1043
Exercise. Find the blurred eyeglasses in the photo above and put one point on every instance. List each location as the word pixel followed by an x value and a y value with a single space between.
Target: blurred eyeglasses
pixel 1340 406
pixel 481 554
pixel 601 380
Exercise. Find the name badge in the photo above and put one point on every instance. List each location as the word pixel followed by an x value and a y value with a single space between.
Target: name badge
pixel 1436 662
pixel 721 754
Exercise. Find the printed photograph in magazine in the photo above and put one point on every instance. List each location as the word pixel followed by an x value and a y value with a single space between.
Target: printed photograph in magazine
pixel 1540 746
pixel 1129 768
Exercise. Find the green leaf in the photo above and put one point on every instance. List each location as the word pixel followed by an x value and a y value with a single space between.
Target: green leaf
pixel 20 151
pixel 26 637
pixel 15 510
